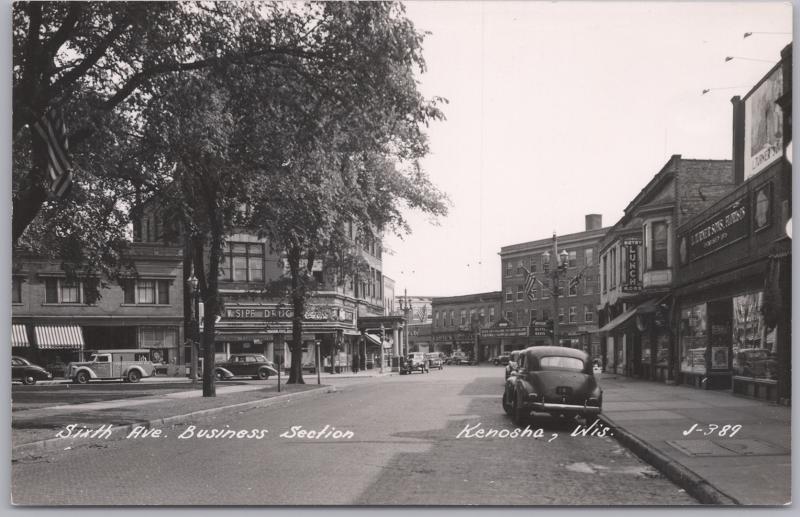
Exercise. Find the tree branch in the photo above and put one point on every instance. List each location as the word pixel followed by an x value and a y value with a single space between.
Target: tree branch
pixel 63 33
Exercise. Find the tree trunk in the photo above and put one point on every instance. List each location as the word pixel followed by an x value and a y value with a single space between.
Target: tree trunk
pixel 298 304
pixel 212 302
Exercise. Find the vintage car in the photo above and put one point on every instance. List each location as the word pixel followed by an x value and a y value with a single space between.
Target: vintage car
pixel 26 372
pixel 245 365
pixel 501 360
pixel 435 360
pixel 554 380
pixel 511 366
pixel 130 365
pixel 414 362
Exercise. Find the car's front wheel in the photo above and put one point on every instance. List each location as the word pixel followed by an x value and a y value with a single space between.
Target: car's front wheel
pixel 263 374
pixel 134 376
pixel 29 380
pixel 507 407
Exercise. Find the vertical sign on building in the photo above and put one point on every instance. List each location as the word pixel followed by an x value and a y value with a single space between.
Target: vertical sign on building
pixel 631 283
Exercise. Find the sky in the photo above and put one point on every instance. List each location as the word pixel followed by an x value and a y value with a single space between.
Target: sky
pixel 561 109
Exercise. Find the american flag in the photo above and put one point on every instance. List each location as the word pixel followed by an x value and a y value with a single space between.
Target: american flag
pixel 53 132
pixel 530 282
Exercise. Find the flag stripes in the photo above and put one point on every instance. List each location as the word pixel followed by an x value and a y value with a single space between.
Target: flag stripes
pixel 530 282
pixel 53 132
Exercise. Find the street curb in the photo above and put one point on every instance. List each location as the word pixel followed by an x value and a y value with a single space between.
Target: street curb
pixel 60 443
pixel 698 487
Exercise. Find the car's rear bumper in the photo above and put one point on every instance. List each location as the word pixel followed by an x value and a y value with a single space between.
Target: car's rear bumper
pixel 571 408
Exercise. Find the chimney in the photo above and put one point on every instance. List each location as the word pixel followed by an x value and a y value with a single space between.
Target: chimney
pixel 594 222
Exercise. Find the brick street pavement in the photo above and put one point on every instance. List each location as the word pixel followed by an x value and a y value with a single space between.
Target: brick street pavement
pixel 405 450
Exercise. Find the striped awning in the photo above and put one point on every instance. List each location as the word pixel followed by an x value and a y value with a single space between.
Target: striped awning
pixel 374 339
pixel 68 337
pixel 19 336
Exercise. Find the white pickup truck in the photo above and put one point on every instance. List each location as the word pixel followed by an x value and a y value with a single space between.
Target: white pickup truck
pixel 128 365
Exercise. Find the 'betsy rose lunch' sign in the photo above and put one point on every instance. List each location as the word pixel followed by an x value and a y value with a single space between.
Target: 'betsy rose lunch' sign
pixel 724 228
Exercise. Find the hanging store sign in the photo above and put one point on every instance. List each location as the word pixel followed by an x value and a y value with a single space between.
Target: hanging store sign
pixel 454 338
pixel 632 283
pixel 726 227
pixel 505 332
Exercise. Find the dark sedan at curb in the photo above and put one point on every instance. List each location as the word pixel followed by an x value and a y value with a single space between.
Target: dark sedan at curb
pixel 22 370
pixel 554 380
pixel 245 365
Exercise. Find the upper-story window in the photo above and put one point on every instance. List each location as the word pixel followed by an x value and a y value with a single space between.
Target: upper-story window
pixel 605 272
pixel 573 314
pixel 520 293
pixel 573 288
pixel 482 314
pixel 509 294
pixel 588 314
pixel 146 292
pixel 520 267
pixel 60 290
pixel 658 245
pixel 588 284
pixel 453 318
pixel 613 267
pixel 436 319
pixel 491 314
pixel 572 259
pixel 242 262
pixel 546 263
pixel 509 268
pixel 463 316
pixel 588 256
pixel 533 264
pixel 16 290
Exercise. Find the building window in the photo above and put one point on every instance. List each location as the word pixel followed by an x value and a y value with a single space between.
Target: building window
pixel 509 294
pixel 588 257
pixel 573 259
pixel 533 265
pixel 561 314
pixel 491 314
pixel 520 267
pixel 482 315
pixel 573 314
pixel 573 288
pixel 59 290
pixel 463 316
pixel 510 315
pixel 453 318
pixel 588 314
pixel 242 262
pixel 520 293
pixel 588 284
pixel 146 292
pixel 658 245
pixel 520 317
pixel 545 314
pixel 613 268
pixel 545 289
pixel 16 290
pixel 534 293
pixel 509 268
pixel 471 316
pixel 561 288
pixel 605 272
pixel 546 263
pixel 534 313
pixel 436 319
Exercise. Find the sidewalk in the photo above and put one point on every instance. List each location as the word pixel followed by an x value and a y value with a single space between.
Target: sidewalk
pixel 752 467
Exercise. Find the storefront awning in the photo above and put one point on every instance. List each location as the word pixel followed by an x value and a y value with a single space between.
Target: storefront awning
pixel 19 336
pixel 616 322
pixel 68 337
pixel 374 339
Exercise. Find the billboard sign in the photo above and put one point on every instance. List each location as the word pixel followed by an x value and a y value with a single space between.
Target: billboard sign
pixel 763 124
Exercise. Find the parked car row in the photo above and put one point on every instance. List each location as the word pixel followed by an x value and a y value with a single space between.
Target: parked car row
pixel 555 380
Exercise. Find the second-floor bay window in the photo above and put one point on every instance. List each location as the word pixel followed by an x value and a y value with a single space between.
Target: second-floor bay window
pixel 658 245
pixel 146 292
pixel 242 262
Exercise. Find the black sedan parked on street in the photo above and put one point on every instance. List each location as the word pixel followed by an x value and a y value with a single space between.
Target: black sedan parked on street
pixel 554 380
pixel 245 365
pixel 23 370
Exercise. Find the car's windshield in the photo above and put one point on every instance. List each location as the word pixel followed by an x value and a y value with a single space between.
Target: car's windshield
pixel 555 362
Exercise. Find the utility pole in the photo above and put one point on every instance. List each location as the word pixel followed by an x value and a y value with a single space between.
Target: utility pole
pixel 556 270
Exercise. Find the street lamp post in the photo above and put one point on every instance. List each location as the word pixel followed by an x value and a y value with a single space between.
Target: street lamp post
pixel 556 272
pixel 405 306
pixel 383 349
pixel 193 284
